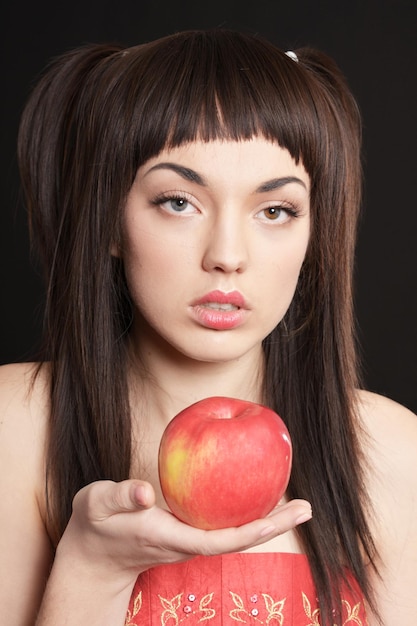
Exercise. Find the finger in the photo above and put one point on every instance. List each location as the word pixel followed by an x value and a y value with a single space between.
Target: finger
pixel 292 513
pixel 143 494
pixel 283 519
pixel 279 521
pixel 105 498
pixel 130 495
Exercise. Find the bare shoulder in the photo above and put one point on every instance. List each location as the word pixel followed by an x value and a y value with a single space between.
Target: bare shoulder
pixel 23 424
pixel 21 378
pixel 390 450
pixel 24 542
pixel 23 405
pixel 392 436
pixel 390 447
pixel 376 408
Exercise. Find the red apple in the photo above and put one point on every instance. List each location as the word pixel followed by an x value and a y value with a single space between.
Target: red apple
pixel 224 462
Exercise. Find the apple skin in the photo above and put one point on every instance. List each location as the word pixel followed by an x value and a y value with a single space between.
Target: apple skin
pixel 224 462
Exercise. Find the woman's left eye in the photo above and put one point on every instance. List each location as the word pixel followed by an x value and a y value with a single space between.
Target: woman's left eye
pixel 277 214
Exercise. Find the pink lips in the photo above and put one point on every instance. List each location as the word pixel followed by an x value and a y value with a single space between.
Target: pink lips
pixel 219 310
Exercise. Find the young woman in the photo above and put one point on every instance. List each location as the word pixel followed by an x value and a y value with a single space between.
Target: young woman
pixel 194 203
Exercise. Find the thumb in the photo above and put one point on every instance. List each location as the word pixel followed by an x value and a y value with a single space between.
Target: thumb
pixel 130 495
pixel 142 494
pixel 105 498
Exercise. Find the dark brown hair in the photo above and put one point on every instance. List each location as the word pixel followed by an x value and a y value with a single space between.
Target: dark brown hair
pixel 95 116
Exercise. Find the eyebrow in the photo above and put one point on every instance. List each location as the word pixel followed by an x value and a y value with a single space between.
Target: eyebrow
pixel 277 183
pixel 193 176
pixel 186 172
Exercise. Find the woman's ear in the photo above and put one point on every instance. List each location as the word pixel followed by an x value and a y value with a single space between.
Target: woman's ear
pixel 116 245
pixel 115 250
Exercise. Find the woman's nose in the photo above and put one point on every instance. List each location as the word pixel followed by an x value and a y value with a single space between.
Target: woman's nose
pixel 226 248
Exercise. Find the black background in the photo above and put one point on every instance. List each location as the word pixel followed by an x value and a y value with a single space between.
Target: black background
pixel 375 44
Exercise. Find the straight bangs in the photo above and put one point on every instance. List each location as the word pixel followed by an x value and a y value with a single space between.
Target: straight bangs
pixel 212 85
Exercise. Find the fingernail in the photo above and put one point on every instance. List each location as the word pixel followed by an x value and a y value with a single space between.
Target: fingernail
pixel 140 494
pixel 303 518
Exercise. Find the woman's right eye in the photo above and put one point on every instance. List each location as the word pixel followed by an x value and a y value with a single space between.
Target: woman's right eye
pixel 179 205
pixel 175 204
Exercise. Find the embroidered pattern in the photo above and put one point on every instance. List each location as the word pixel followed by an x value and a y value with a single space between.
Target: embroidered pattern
pixel 352 613
pixel 173 610
pixel 273 610
pixel 131 614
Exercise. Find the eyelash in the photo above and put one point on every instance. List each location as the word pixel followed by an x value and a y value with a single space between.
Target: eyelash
pixel 164 198
pixel 290 211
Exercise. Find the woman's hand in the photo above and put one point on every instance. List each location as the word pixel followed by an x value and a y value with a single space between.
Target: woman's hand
pixel 116 531
pixel 119 527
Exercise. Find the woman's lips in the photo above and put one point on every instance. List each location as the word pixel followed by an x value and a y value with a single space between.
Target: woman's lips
pixel 220 310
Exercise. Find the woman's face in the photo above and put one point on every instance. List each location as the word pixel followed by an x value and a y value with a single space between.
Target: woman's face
pixel 214 237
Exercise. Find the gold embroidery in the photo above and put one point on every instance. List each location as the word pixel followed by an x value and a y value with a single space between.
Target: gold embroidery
pixel 175 611
pixel 352 613
pixel 234 613
pixel 313 616
pixel 137 605
pixel 207 613
pixel 171 608
pixel 274 610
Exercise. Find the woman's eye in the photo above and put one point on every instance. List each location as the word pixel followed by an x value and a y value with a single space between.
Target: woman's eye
pixel 179 205
pixel 175 204
pixel 276 214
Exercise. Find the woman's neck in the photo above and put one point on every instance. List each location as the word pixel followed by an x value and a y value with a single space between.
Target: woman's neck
pixel 163 382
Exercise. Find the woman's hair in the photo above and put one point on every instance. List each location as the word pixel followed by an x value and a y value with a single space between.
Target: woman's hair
pixel 96 115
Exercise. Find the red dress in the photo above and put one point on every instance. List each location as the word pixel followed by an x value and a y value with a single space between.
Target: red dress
pixel 247 588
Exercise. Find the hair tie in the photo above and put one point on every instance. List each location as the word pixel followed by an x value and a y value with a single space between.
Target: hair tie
pixel 292 55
